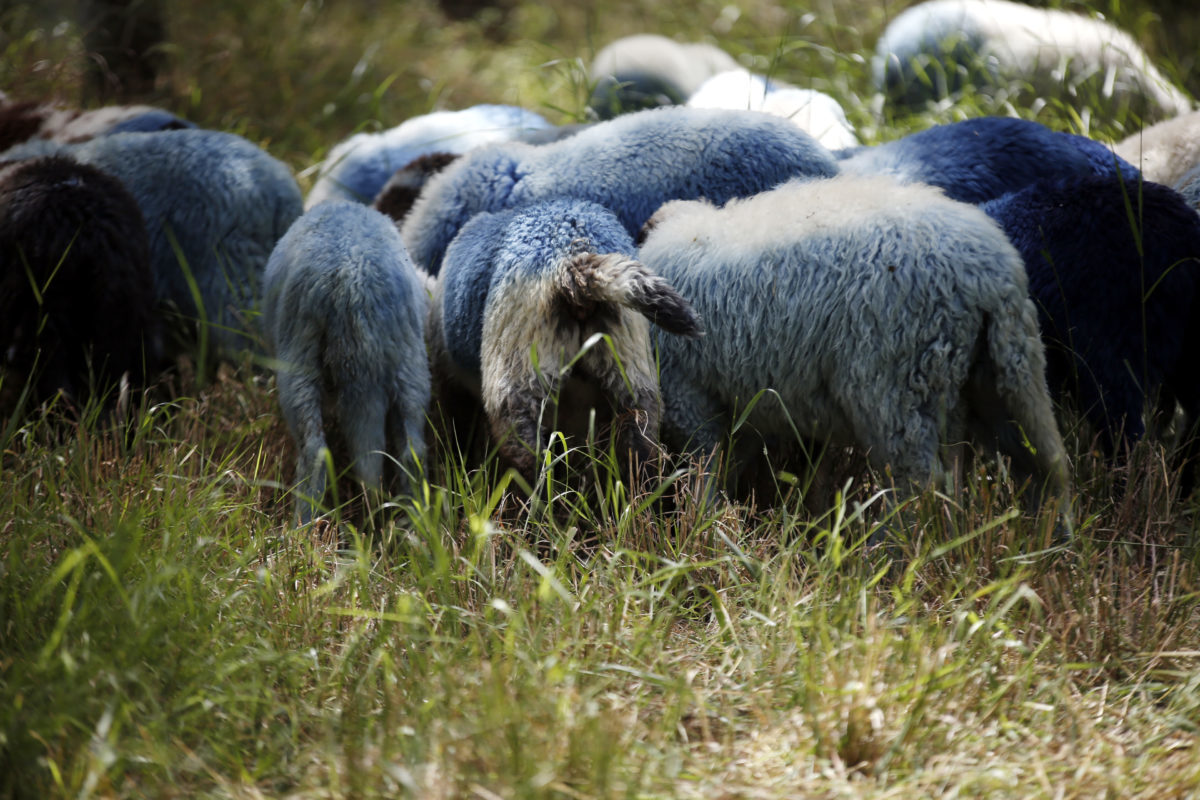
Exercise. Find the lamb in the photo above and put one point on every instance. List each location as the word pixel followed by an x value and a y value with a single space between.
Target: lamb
pixel 647 71
pixel 76 295
pixel 1166 150
pixel 632 165
pixel 215 204
pixel 521 292
pixel 1115 273
pixel 869 314
pixel 931 50
pixel 981 159
pixel 344 310
pixel 817 114
pixel 358 167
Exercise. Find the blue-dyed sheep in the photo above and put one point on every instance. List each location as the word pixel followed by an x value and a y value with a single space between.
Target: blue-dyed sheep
pixel 76 296
pixel 214 203
pixel 933 50
pixel 344 310
pixel 632 165
pixel 1115 273
pixel 817 114
pixel 1189 187
pixel 882 317
pixel 647 70
pixel 981 159
pixel 520 293
pixel 357 168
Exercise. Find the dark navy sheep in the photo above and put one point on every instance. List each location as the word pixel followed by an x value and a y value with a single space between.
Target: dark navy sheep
pixel 981 159
pixel 632 165
pixel 357 168
pixel 344 310
pixel 76 296
pixel 215 204
pixel 1115 273
pixel 521 293
pixel 869 314
pixel 934 49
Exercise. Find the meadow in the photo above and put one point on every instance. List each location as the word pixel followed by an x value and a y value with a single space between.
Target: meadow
pixel 166 631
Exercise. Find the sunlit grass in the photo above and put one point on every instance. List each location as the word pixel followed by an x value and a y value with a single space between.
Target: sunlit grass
pixel 165 629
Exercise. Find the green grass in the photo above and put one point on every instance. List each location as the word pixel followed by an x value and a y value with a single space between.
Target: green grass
pixel 166 632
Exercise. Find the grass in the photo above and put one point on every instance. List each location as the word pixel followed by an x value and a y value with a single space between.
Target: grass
pixel 166 632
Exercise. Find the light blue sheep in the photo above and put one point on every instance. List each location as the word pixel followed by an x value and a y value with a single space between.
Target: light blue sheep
pixel 521 292
pixel 631 165
pixel 215 204
pixel 869 314
pixel 358 167
pixel 934 49
pixel 344 311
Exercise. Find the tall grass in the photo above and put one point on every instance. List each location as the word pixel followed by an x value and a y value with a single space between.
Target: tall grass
pixel 166 631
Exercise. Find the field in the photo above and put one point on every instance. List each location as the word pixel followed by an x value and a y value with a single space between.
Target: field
pixel 165 631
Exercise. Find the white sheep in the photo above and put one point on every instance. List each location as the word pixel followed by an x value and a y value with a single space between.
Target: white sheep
pixel 870 314
pixel 344 310
pixel 1166 150
pixel 815 113
pixel 358 167
pixel 647 70
pixel 932 49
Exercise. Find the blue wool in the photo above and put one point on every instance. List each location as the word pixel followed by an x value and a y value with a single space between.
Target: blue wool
pixel 631 165
pixel 1093 249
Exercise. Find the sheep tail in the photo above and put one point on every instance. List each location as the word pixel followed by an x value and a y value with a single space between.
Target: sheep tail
pixel 586 280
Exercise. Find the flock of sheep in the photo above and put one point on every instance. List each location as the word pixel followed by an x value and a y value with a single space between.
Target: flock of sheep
pixel 716 246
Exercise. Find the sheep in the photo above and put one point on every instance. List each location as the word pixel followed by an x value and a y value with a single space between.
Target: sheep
pixel 1114 270
pixel 215 204
pixel 815 113
pixel 647 70
pixel 1166 150
pixel 358 167
pixel 1189 187
pixel 24 120
pixel 870 314
pixel 981 159
pixel 521 292
pixel 632 165
pixel 344 311
pixel 931 50
pixel 76 294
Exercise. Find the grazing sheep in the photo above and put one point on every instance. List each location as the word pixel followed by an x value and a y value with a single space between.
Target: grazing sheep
pixel 981 159
pixel 817 114
pixel 344 310
pixel 934 49
pixel 520 293
pixel 1164 151
pixel 1115 273
pixel 214 203
pixel 358 167
pixel 874 315
pixel 76 295
pixel 647 70
pixel 632 165
pixel 1189 187
pixel 24 120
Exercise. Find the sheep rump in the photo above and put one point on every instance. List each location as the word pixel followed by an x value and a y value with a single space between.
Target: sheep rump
pixel 883 317
pixel 344 310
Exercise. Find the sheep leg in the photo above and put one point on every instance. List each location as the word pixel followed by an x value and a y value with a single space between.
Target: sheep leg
pixel 406 433
pixel 300 400
pixel 362 414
